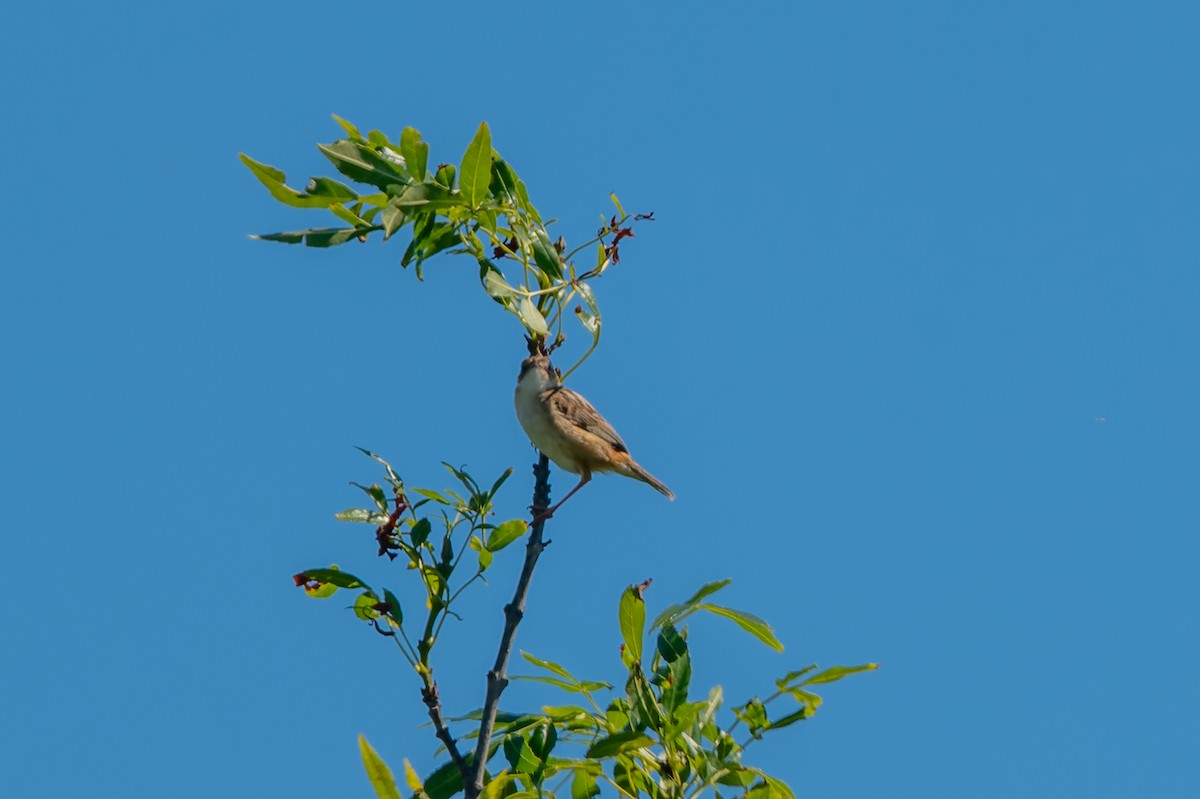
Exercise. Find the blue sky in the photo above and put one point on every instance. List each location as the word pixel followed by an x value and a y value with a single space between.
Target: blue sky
pixel 913 339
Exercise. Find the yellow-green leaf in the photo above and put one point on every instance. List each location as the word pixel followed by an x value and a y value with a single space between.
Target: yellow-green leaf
pixel 378 772
pixel 618 742
pixel 632 617
pixel 411 778
pixel 835 673
pixel 475 174
pixel 506 533
pixel 532 318
pixel 748 622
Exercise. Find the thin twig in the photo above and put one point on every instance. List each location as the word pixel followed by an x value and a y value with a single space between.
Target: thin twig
pixel 497 678
pixel 434 702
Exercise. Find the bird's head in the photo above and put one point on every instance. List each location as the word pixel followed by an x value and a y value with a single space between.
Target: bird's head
pixel 537 370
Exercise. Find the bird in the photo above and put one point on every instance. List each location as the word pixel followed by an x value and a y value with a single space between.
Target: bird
pixel 569 431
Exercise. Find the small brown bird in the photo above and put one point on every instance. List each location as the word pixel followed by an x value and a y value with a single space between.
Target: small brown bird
pixel 569 431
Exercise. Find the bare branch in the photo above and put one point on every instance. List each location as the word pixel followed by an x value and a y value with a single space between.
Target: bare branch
pixel 434 702
pixel 497 678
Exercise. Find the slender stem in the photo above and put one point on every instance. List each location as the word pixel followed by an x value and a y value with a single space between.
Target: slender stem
pixel 586 355
pixel 497 678
pixel 596 240
pixel 429 693
pixel 446 611
pixel 613 783
pixel 411 658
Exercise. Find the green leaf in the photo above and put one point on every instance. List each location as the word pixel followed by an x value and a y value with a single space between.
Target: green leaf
pixel 415 152
pixel 617 743
pixel 320 590
pixel 444 782
pixel 675 611
pixel 393 219
pixel 754 715
pixel 361 515
pixel 445 175
pixel 583 785
pixel 420 532
pixel 674 651
pixel 351 131
pixel 568 714
pixel 573 687
pixel 791 718
pixel 768 788
pixel 585 291
pixel 394 612
pixel 520 756
pixel 532 318
pixel 500 786
pixel 435 584
pixel 500 481
pixel 326 187
pixel 835 673
pixel 626 778
pixel 390 471
pixel 485 554
pixel 441 237
pixel 525 204
pixel 468 482
pixel 506 533
pixel 616 202
pixel 675 692
pixel 589 322
pixel 643 705
pixel 346 215
pixel 716 696
pixel 545 255
pixel 806 698
pixel 289 237
pixel 274 179
pixel 364 606
pixel 426 195
pixel 631 614
pixel 543 740
pixel 358 162
pixel 671 644
pixel 333 236
pixel 791 676
pixel 375 493
pixel 504 177
pixel 334 576
pixel 738 777
pixel 495 285
pixel 617 715
pixel 476 169
pixel 549 665
pixel 411 778
pixel 748 622
pixel 378 772
pixel 435 496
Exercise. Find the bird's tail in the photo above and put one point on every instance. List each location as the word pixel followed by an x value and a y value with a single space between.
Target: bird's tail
pixel 638 473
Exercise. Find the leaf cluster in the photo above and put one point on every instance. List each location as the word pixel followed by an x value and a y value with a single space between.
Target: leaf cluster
pixel 480 208
pixel 462 519
pixel 652 740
